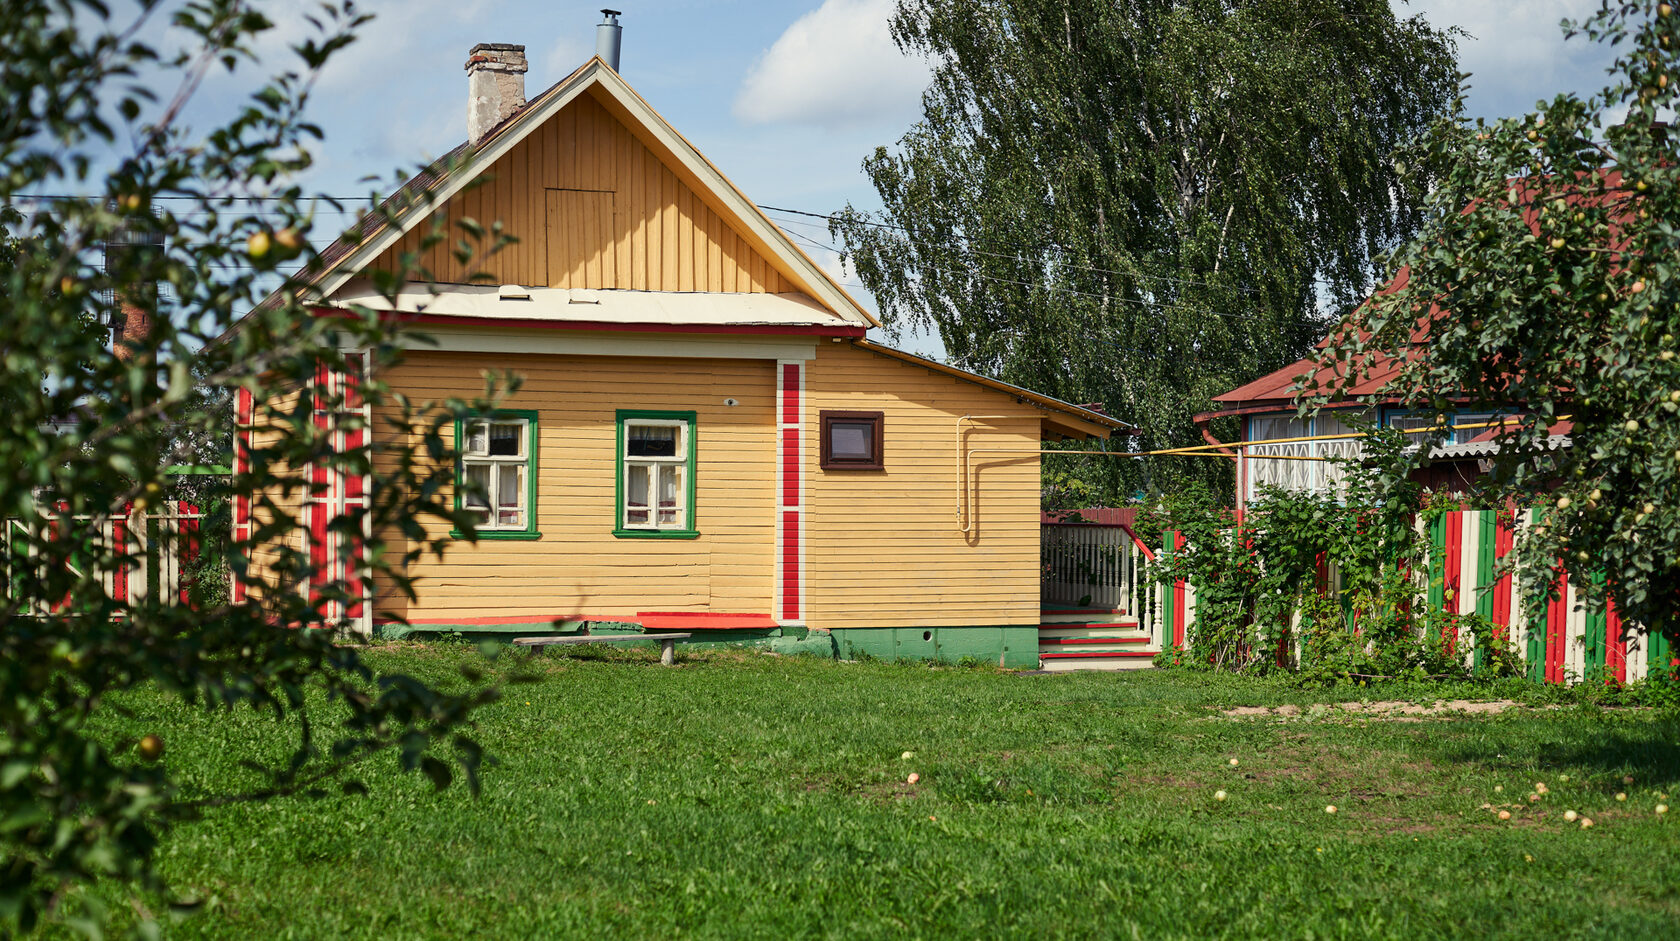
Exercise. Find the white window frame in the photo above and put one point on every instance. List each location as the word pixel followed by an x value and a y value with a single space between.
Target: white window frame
pixel 496 462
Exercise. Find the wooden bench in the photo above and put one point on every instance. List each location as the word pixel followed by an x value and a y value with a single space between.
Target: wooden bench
pixel 667 655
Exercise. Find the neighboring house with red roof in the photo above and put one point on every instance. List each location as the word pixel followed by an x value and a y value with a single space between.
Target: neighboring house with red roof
pixel 1265 410
pixel 705 438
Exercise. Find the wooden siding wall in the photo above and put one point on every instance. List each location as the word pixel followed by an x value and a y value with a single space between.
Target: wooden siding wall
pixel 578 567
pixel 885 548
pixel 659 236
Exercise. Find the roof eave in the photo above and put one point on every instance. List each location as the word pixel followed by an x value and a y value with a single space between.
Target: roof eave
pixel 1106 425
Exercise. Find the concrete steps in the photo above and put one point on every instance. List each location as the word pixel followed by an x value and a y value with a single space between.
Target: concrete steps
pixel 1113 663
pixel 1092 639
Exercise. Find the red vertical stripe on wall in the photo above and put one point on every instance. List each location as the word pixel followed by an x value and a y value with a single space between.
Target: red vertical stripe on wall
pixel 317 522
pixel 352 379
pixel 790 394
pixel 242 408
pixel 790 467
pixel 353 575
pixel 353 440
pixel 790 473
pixel 790 565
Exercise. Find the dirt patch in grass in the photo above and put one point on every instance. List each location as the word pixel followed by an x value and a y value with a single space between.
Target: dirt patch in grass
pixel 1389 710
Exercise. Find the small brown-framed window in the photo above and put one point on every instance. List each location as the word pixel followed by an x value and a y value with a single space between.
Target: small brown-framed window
pixel 851 440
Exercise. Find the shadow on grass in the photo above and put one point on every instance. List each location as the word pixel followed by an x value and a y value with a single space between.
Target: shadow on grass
pixel 1649 751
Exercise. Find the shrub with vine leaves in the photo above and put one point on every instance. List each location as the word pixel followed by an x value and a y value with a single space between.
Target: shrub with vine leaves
pixel 1266 598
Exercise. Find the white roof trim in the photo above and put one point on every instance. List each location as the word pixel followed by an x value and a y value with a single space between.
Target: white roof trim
pixel 563 305
pixel 817 281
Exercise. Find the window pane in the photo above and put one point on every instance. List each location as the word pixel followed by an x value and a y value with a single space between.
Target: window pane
pixel 514 518
pixel 851 440
pixel 668 490
pixel 651 441
pixel 509 491
pixel 474 495
pixel 1272 427
pixel 478 438
pixel 504 439
pixel 1411 420
pixel 1463 435
pixel 636 494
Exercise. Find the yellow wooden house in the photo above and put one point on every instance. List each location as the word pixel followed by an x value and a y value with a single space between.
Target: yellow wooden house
pixel 705 438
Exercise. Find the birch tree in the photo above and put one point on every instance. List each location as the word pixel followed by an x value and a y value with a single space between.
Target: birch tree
pixel 1146 203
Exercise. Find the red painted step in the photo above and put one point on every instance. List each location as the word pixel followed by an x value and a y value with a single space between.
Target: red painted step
pixel 1108 612
pixel 1105 625
pixel 1093 640
pixel 1096 653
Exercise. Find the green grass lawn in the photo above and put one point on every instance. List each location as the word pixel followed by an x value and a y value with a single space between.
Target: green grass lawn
pixel 745 795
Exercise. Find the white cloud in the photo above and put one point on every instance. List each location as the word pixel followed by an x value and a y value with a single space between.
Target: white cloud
pixel 564 57
pixel 835 66
pixel 1515 51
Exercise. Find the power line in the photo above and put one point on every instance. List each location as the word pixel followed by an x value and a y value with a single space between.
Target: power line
pixel 24 197
pixel 1016 257
pixel 826 217
pixel 1156 305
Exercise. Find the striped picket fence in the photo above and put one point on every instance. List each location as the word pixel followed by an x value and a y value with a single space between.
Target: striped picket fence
pixel 1561 641
pixel 157 550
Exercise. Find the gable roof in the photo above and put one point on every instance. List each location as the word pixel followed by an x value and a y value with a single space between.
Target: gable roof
pixel 431 189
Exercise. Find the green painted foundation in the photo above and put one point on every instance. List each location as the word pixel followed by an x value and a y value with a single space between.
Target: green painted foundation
pixel 1010 646
pixel 788 642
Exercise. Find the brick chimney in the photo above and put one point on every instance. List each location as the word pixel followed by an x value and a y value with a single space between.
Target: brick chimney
pixel 130 253
pixel 495 86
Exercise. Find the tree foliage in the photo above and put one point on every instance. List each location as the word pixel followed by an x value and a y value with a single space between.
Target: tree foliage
pixel 78 805
pixel 1146 203
pixel 1547 282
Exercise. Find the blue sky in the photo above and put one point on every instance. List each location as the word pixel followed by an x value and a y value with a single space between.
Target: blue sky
pixel 785 97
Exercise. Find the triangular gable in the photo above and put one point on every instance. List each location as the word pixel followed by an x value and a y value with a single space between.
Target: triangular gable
pixel 637 207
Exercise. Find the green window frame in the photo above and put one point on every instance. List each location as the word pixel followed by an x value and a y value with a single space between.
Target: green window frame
pixel 523 463
pixel 643 520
